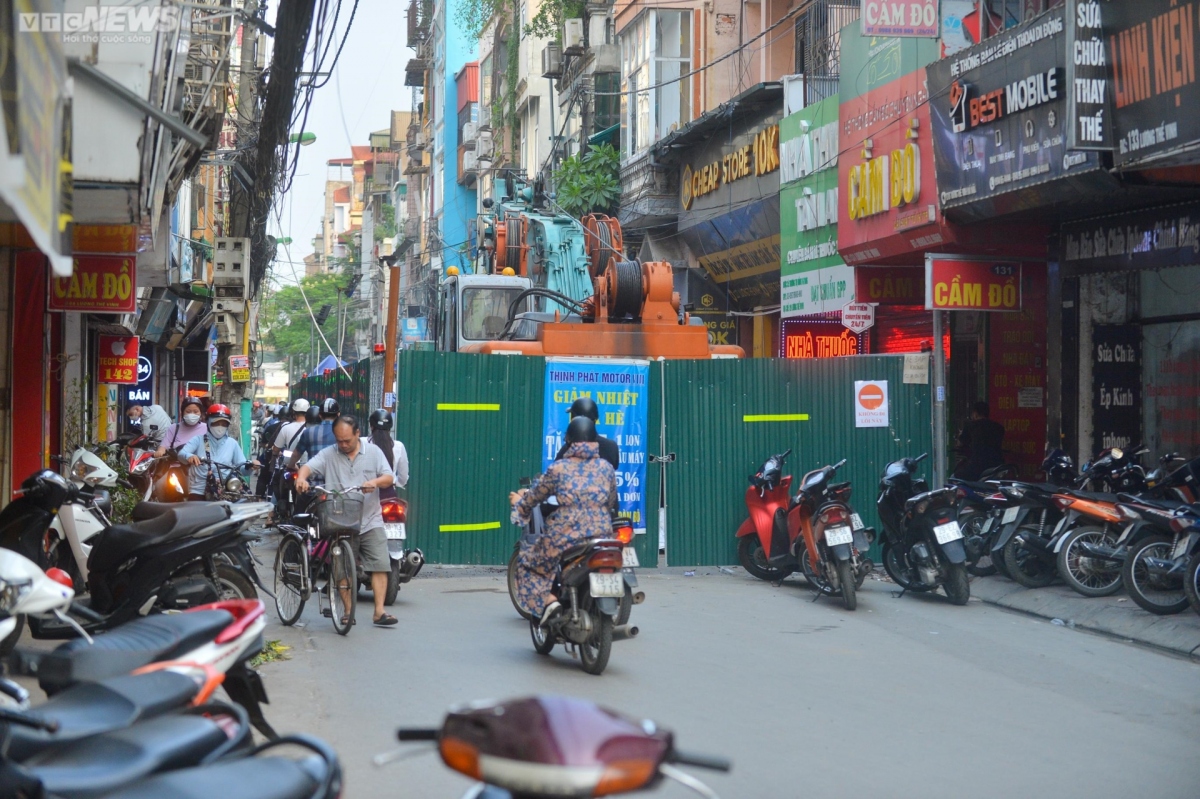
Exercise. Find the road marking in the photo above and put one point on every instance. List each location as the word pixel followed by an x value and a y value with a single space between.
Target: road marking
pixel 776 417
pixel 468 406
pixel 466 528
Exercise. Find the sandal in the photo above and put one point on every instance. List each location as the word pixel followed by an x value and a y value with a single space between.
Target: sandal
pixel 346 620
pixel 386 620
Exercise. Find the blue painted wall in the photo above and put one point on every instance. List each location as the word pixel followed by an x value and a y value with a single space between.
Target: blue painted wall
pixel 459 201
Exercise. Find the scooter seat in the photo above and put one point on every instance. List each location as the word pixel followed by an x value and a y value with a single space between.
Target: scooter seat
pixel 104 763
pixel 128 647
pixel 1092 496
pixel 95 707
pixel 148 510
pixel 252 778
pixel 975 485
pixel 927 496
pixel 572 552
pixel 119 542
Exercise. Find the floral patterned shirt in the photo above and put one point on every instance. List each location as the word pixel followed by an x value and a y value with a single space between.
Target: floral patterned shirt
pixel 585 486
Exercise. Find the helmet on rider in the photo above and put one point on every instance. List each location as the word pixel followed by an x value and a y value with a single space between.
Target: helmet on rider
pixel 381 419
pixel 218 412
pixel 330 408
pixel 581 429
pixel 299 406
pixel 585 406
pixel 312 415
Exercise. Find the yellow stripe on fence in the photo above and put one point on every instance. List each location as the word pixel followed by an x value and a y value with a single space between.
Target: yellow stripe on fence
pixel 776 417
pixel 468 406
pixel 467 528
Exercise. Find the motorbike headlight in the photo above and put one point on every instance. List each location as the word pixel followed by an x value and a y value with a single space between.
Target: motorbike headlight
pixel 140 468
pixel 11 593
pixel 82 470
pixel 234 485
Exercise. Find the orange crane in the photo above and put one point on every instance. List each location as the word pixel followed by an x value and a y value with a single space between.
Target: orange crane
pixel 633 312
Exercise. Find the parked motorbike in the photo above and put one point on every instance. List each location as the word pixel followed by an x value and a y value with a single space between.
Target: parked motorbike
pixel 830 552
pixel 589 586
pixel 1188 524
pixel 778 533
pixel 171 561
pixel 556 747
pixel 1154 567
pixel 923 543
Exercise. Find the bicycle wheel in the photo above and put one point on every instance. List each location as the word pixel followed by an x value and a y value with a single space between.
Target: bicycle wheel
pixel 290 580
pixel 343 585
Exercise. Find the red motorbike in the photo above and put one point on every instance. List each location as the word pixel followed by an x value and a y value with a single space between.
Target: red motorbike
pixel 816 531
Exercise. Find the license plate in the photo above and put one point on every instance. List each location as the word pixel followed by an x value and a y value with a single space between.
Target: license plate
pixel 945 533
pixel 856 521
pixel 629 558
pixel 838 535
pixel 606 584
pixel 1010 515
pixel 394 532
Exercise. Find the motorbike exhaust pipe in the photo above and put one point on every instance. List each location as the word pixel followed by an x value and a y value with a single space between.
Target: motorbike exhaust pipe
pixel 639 598
pixel 624 633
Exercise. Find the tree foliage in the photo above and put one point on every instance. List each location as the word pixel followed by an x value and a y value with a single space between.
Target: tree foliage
pixel 590 183
pixel 286 326
pixel 547 23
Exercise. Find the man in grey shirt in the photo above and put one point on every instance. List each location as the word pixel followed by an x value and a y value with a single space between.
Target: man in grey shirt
pixel 348 464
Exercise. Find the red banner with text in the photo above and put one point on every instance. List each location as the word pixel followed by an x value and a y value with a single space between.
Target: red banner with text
pixel 962 284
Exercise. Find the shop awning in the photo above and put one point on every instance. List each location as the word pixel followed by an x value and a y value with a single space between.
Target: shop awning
pixel 605 135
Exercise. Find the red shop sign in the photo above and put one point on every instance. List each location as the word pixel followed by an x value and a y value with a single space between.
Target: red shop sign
pixel 964 284
pixel 98 284
pixel 820 338
pixel 890 285
pixel 117 359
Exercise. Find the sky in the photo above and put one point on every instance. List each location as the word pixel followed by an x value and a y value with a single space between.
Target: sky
pixel 366 86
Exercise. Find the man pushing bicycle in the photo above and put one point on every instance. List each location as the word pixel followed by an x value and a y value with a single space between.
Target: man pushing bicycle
pixel 346 465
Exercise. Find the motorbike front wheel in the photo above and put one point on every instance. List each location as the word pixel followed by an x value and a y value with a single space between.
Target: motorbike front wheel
pixel 1024 564
pixel 1191 582
pixel 1089 575
pixel 754 560
pixel 895 567
pixel 1147 580
pixel 512 587
pixel 845 573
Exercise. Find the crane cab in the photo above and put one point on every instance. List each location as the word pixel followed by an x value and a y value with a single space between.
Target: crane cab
pixel 472 309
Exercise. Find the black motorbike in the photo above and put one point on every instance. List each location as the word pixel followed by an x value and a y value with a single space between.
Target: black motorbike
pixel 170 561
pixel 923 543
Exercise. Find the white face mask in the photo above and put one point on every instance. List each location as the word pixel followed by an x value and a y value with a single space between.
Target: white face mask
pixel 191 418
pixel 219 431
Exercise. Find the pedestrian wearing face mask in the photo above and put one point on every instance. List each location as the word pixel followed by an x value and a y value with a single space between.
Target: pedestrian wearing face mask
pixel 216 445
pixel 188 427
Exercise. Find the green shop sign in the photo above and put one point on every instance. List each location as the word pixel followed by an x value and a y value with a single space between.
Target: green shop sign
pixel 814 279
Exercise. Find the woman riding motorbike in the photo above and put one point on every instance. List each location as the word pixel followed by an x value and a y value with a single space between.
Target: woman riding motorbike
pixel 585 486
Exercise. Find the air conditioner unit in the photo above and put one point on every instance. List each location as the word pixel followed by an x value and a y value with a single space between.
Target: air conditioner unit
pixel 573 36
pixel 485 117
pixel 552 60
pixel 470 162
pixel 470 131
pixel 483 149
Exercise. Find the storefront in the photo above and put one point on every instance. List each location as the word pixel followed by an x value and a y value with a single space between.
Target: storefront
pixel 727 229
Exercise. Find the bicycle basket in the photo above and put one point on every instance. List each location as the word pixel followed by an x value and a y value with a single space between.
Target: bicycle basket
pixel 339 514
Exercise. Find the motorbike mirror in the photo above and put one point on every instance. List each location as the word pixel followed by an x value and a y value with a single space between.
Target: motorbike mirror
pixel 552 746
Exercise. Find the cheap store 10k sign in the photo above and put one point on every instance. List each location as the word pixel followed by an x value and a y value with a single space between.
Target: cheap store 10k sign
pixel 963 284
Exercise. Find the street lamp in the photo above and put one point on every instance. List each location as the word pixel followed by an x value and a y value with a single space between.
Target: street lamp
pixel 303 138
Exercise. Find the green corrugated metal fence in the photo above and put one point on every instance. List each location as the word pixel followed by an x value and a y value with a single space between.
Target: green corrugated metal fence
pixel 472 425
pixel 717 447
pixel 357 394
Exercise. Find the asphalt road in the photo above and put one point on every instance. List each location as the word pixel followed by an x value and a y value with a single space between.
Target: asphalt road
pixel 907 697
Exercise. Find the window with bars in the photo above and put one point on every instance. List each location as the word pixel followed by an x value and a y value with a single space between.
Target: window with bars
pixel 818 47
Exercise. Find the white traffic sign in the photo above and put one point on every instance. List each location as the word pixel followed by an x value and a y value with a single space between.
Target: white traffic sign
pixel 858 316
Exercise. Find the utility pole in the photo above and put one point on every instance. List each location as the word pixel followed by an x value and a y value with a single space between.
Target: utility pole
pixel 390 342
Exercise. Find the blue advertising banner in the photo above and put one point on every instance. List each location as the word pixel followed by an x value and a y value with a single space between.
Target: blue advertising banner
pixel 619 389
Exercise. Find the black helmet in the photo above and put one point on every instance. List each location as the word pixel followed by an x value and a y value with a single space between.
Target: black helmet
pixel 330 407
pixel 580 429
pixel 381 419
pixel 312 415
pixel 585 406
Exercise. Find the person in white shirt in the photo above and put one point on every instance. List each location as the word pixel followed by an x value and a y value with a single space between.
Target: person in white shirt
pixel 381 436
pixel 153 420
pixel 289 435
